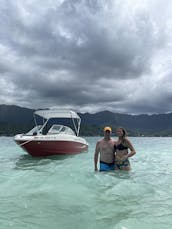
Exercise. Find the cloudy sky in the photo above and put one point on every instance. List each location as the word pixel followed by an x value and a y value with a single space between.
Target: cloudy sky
pixel 87 55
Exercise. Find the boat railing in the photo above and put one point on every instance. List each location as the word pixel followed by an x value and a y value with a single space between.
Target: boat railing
pixel 34 131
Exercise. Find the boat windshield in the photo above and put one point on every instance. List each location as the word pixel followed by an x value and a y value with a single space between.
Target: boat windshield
pixel 56 129
pixel 34 130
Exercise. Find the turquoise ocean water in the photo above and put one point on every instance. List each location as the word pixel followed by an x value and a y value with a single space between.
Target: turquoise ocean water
pixel 65 192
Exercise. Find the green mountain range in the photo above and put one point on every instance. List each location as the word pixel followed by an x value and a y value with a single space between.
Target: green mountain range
pixel 15 119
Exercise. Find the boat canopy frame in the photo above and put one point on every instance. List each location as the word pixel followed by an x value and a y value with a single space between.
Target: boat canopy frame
pixel 48 114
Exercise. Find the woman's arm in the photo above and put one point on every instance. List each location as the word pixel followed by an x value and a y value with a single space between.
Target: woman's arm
pixel 130 146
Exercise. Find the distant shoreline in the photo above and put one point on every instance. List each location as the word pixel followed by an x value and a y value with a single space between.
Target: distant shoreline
pixel 15 119
pixel 141 136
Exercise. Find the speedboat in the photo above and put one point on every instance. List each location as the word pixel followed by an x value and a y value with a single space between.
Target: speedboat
pixel 57 134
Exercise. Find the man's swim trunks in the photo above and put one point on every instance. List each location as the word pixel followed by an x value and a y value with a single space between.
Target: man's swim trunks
pixel 106 166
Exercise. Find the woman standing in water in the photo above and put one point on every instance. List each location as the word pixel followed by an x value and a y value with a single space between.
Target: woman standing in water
pixel 121 150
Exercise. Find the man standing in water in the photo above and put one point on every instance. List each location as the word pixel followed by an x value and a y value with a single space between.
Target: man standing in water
pixel 105 147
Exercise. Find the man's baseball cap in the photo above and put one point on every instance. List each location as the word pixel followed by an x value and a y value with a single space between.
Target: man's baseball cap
pixel 107 128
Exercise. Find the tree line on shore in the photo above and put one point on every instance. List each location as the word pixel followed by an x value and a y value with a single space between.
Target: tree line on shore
pixel 7 129
pixel 14 119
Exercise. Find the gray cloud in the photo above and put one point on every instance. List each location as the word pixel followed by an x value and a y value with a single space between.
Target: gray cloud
pixel 87 55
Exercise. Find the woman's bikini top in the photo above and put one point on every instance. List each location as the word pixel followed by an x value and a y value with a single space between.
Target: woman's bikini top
pixel 120 147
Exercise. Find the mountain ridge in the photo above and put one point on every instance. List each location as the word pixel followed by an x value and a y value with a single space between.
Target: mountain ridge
pixel 15 119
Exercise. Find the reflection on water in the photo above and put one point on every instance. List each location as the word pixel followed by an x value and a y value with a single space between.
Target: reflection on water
pixel 29 162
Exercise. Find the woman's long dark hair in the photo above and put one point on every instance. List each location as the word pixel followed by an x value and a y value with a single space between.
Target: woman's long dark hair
pixel 124 132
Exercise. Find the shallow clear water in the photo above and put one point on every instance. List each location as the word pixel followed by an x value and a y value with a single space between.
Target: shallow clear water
pixel 65 192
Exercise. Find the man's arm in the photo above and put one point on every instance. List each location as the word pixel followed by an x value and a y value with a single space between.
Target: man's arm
pixel 96 154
